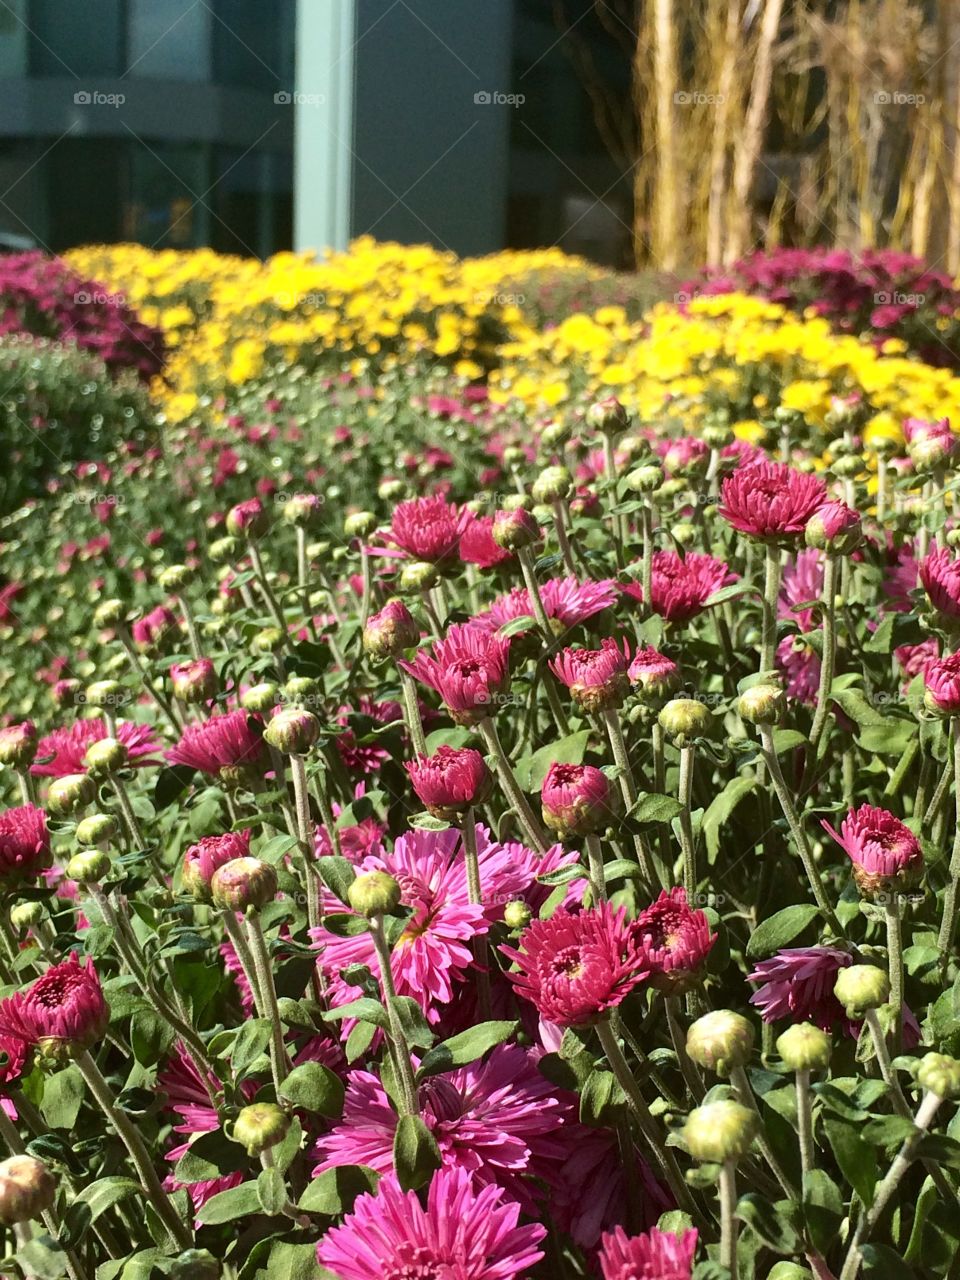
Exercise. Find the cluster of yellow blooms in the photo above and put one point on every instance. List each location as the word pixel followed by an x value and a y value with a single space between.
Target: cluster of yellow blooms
pixel 228 320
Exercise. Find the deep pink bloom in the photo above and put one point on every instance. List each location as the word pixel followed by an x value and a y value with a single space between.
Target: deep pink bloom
pixel 208 855
pixel 880 846
pixel 769 500
pixel 498 1119
pixel 63 1009
pixel 154 630
pixel 656 1255
pixel 477 545
pixel 597 678
pixel 797 983
pixel 595 1161
pixel 13 1058
pixel 940 575
pixel 941 677
pixel 24 844
pixel 802 585
pixel 194 681
pixel 363 755
pixel 681 586
pixel 462 1233
pixel 566 601
pixel 69 746
pixel 18 744
pixel 451 780
pixel 232 741
pixel 918 659
pixel 688 455
pixel 247 518
pixel 468 668
pixel 576 967
pixel 575 799
pixel 676 941
pixel 187 1097
pixel 834 526
pixel 653 672
pixel 428 529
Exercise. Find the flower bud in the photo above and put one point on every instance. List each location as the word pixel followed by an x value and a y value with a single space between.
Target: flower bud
pixel 27 1189
pixel 302 510
pixel 109 613
pixel 515 529
pixel 419 575
pixel 223 550
pixel 555 435
pixel 575 799
pixel 553 484
pixel 18 745
pixel 720 1131
pixel 72 792
pixel 293 730
pixel 247 519
pixel 98 829
pixel 762 704
pixel 260 697
pixel 391 490
pixel 25 915
pixel 513 455
pixel 302 689
pixel 243 884
pixel 268 640
pixel 194 682
pixel 653 675
pixel 939 1074
pixel 105 757
pixel 683 719
pixel 608 416
pixel 176 577
pixel 260 1126
pixel 717 435
pixel 517 914
pixel 720 1041
pixel 374 893
pixel 646 479
pixel 684 532
pixel 860 988
pixel 105 693
pixel 90 866
pixel 517 502
pixel 391 631
pixel 804 1047
pixel 835 528
pixel 66 693
pixel 359 524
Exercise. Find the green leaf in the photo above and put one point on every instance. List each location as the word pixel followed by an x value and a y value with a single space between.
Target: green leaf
pixel 416 1029
pixel 881 1263
pixel 599 1097
pixel 314 1087
pixel 786 739
pixel 516 625
pixel 857 1161
pixel 210 1156
pixel 780 930
pixel 250 1044
pixel 294 1262
pixel 531 770
pixel 854 704
pixel 415 1153
pixel 271 1192
pixel 171 784
pixel 888 1132
pixel 890 738
pixel 466 1047
pixel 770 1224
pixel 822 1208
pixel 38 1259
pixel 335 1190
pixel 63 1095
pixel 359 1040
pixel 365 1009
pixel 651 807
pixel 237 1202
pixel 720 809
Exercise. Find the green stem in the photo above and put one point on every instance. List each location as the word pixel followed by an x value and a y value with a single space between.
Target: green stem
pixel 771 592
pixel 412 713
pixel 948 920
pixel 805 1122
pixel 894 922
pixel 685 799
pixel 628 787
pixel 728 1217
pixel 691 1073
pixel 408 1084
pixel 129 817
pixel 828 656
pixel 595 864
pixel 263 582
pixel 521 806
pixel 196 648
pixel 471 860
pixel 305 838
pixel 563 541
pixel 238 941
pixel 264 970
pixel 741 1082
pixel 28 792
pixel 617 523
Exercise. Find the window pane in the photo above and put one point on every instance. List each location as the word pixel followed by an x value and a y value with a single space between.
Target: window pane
pixel 253 43
pixel 76 39
pixel 169 39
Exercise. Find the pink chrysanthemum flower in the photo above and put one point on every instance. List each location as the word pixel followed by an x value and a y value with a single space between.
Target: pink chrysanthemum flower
pixel 365 757
pixel 676 941
pixel 656 1255
pixel 802 584
pixel 468 668
pixel 230 742
pixel 428 529
pixel 462 1233
pixel 69 746
pixel 797 983
pixel 187 1098
pixel 18 744
pixel 24 844
pixel 566 601
pixel 477 545
pixel 900 581
pixel 594 1160
pixel 13 1058
pixel 681 586
pixel 434 955
pixel 63 1011
pixel 918 659
pixel 208 855
pixel 597 678
pixel 450 781
pixel 770 501
pixel 941 678
pixel 653 673
pixel 575 967
pixel 687 455
pixel 155 630
pixel 940 575
pixel 883 850
pixel 930 443
pixel 499 1120
pixel 575 799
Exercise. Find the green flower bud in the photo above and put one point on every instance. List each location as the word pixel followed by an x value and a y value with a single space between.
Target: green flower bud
pixel 360 524
pixel 260 697
pixel 517 502
pixel 243 884
pixel 684 533
pixel 176 577
pixel 391 490
pixel 720 1131
pixel 25 915
pixel 860 988
pixel 517 914
pixel 762 704
pixel 224 550
pixel 268 640
pixel 27 1189
pixel 90 866
pixel 72 792
pixel 514 530
pixel 418 576
pixel 717 436
pixel 109 613
pixel 195 1264
pixel 805 1047
pixel 106 757
pixel 553 484
pixel 555 435
pixel 302 689
pixel 720 1041
pixel 293 730
pixel 684 719
pixel 98 829
pixel 374 893
pixel 513 456
pixel 646 479
pixel 302 510
pixel 105 693
pixel 260 1126
pixel 18 745
pixel 939 1074
pixel 608 416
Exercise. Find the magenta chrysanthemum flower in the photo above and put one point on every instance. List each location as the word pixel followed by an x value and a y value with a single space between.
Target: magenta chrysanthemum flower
pixel 918 659
pixel 769 500
pixel 18 744
pixel 428 529
pixel 69 746
pixel 656 1255
pixel 208 855
pixel 940 575
pixel 597 678
pixel 576 967
pixel 64 1010
pixel 575 799
pixel 229 742
pixel 187 1098
pixel 688 455
pixel 24 844
pixel 566 601
pixel 450 781
pixel 13 1058
pixel 802 584
pixel 434 955
pixel 462 1233
pixel 468 668
pixel 883 849
pixel 941 678
pixel 499 1120
pixel 681 586
pixel 594 1160
pixel 654 673
pixel 797 983
pixel 930 443
pixel 477 545
pixel 390 631
pixel 154 630
pixel 194 681
pixel 676 941
pixel 365 756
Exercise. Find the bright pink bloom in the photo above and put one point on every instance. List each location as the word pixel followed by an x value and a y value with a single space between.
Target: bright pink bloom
pixel 597 678
pixel 941 676
pixel 653 672
pixel 24 844
pixel 462 1234
pixel 366 753
pixel 565 600
pixel 878 844
pixel 929 443
pixel 428 529
pixel 154 630
pixel 468 668
pixel 769 500
pixel 69 746
pixel 834 526
pixel 575 799
pixel 499 1120
pixel 208 855
pixel 684 456
pixel 656 1255
pixel 18 744
pixel 576 967
pixel 64 1008
pixel 676 941
pixel 451 780
pixel 187 1097
pixel 194 681
pixel 13 1058
pixel 247 518
pixel 940 575
pixel 231 741
pixel 797 983
pixel 681 586
pixel 477 545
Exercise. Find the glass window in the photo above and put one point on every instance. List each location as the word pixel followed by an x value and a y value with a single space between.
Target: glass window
pixel 76 39
pixel 253 43
pixel 169 39
pixel 13 39
pixel 161 207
